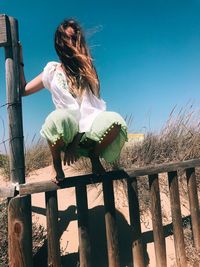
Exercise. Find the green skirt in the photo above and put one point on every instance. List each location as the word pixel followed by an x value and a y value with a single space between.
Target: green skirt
pixel 62 123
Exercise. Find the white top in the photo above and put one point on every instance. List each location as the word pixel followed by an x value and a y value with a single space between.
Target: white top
pixel 85 109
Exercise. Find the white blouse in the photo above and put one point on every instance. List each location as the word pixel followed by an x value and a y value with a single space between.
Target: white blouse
pixel 85 109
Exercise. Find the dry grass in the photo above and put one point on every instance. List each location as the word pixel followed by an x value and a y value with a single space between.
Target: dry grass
pixel 179 139
pixel 37 156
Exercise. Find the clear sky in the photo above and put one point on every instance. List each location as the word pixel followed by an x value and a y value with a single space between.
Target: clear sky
pixel 147 54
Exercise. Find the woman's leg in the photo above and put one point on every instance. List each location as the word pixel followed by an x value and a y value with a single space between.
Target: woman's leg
pixel 99 147
pixel 56 156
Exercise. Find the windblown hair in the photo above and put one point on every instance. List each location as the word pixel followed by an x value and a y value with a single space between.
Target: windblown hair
pixel 75 58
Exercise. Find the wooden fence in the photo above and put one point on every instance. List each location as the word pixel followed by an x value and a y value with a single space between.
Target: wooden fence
pixel 19 192
pixel 19 210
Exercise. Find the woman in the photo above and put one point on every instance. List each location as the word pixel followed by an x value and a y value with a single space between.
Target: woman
pixel 80 125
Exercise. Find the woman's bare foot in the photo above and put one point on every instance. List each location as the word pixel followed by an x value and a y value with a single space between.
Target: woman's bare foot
pixel 59 177
pixel 97 167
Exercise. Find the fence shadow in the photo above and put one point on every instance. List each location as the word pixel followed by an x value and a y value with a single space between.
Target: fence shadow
pixel 147 237
pixel 65 217
pixel 98 238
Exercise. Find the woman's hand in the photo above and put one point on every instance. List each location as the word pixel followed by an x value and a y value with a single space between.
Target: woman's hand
pixel 71 151
pixel 71 154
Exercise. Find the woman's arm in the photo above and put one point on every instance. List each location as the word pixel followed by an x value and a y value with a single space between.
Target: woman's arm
pixel 31 87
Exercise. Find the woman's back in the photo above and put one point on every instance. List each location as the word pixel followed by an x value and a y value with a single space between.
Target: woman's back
pixel 85 107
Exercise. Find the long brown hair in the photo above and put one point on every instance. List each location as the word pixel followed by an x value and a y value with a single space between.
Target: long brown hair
pixel 75 58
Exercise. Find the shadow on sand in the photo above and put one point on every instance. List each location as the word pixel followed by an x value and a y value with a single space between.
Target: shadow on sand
pixel 98 238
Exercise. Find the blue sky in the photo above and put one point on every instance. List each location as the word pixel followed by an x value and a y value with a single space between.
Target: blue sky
pixel 147 54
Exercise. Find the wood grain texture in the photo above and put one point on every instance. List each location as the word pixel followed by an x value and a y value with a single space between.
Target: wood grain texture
pixel 159 240
pixel 83 226
pixel 177 220
pixel 194 206
pixel 8 191
pixel 134 213
pixel 20 232
pixel 111 225
pixel 19 211
pixel 44 186
pixel 4 30
pixel 52 229
pixel 16 142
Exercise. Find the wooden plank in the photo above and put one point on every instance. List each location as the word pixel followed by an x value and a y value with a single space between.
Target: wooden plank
pixel 37 187
pixel 166 167
pixel 4 30
pixel 177 220
pixel 194 206
pixel 159 240
pixel 83 227
pixel 20 232
pixel 9 191
pixel 16 143
pixel 52 229
pixel 44 186
pixel 111 226
pixel 134 213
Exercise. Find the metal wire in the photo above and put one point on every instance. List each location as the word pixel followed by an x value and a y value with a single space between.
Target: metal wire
pixel 4 141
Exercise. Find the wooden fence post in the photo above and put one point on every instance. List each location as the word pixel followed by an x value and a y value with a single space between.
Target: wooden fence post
pixel 16 142
pixel 52 229
pixel 177 220
pixel 159 240
pixel 19 231
pixel 137 246
pixel 19 224
pixel 194 206
pixel 110 221
pixel 83 227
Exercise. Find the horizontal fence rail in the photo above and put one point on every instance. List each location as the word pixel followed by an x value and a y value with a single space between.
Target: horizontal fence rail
pixel 45 186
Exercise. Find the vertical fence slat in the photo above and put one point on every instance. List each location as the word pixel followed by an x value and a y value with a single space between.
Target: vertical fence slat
pixel 159 240
pixel 110 221
pixel 54 259
pixel 20 232
pixel 177 219
pixel 137 247
pixel 83 226
pixel 194 206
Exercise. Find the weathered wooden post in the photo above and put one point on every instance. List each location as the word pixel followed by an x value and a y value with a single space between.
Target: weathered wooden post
pixel 181 259
pixel 159 239
pixel 134 212
pixel 111 226
pixel 19 210
pixel 54 259
pixel 194 205
pixel 83 226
